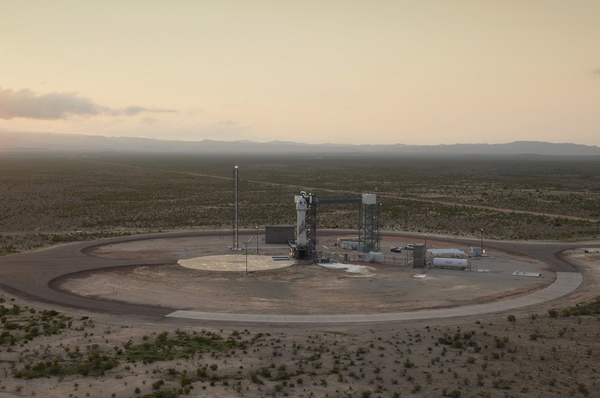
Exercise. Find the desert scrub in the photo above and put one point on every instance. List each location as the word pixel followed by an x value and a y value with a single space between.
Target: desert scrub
pixel 115 195
pixel 93 363
pixel 96 362
pixel 181 345
pixel 23 324
pixel 586 308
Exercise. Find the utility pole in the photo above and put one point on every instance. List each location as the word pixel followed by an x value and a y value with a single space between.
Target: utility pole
pixel 482 241
pixel 246 247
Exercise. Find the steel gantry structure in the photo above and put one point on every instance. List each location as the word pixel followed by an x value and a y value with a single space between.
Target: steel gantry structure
pixel 307 204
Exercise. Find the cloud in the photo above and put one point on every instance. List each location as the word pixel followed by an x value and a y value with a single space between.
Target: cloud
pixel 134 110
pixel 596 72
pixel 52 106
pixel 194 111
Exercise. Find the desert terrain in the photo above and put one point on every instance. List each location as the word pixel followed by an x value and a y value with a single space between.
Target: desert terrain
pixel 547 350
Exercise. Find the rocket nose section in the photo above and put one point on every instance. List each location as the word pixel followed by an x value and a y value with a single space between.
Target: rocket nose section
pixel 301 204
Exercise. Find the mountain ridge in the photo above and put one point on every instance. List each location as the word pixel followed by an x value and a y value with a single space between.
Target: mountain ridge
pixel 54 142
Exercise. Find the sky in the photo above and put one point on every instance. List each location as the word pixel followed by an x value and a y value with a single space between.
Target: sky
pixel 326 71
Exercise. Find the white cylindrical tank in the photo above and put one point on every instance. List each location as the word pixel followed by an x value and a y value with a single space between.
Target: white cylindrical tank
pixel 446 252
pixel 454 263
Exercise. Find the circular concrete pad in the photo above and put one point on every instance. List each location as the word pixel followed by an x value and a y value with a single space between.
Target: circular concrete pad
pixel 237 262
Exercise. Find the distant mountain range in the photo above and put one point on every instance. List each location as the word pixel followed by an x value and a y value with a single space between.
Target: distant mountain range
pixel 74 143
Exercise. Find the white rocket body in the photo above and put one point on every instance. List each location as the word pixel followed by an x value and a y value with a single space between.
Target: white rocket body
pixel 301 207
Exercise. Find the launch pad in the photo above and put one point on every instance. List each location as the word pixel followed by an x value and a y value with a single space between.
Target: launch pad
pixel 237 263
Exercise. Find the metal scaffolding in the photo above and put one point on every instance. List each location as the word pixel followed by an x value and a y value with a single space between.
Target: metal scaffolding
pixel 368 227
pixel 368 223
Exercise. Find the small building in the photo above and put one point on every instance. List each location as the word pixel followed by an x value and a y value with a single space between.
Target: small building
pixel 348 245
pixel 419 255
pixel 476 251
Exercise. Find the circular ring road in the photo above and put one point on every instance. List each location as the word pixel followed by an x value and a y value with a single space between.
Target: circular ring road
pixel 31 274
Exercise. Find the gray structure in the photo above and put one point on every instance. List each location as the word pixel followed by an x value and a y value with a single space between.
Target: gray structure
pixel 279 234
pixel 419 256
pixel 368 223
pixel 368 226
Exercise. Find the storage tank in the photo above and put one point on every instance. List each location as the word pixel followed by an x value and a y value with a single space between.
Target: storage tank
pixel 452 263
pixel 446 253
pixel 376 257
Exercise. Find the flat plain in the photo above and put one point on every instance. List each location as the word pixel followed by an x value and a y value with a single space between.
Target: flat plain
pixel 549 350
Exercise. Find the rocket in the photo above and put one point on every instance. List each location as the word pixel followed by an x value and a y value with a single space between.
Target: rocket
pixel 301 206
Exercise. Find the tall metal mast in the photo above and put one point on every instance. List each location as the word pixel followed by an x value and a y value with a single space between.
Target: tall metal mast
pixel 236 242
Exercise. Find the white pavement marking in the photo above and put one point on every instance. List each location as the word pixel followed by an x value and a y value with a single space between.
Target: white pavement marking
pixel 236 262
pixel 564 284
pixel 523 273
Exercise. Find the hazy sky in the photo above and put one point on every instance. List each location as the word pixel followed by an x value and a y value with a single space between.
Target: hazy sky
pixel 417 72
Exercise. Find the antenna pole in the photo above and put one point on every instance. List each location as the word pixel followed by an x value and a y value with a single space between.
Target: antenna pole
pixel 236 227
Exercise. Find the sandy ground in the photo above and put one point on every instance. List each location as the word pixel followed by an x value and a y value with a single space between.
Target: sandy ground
pixel 532 355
